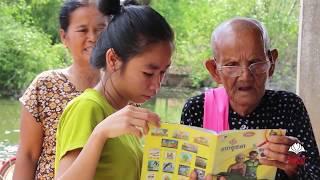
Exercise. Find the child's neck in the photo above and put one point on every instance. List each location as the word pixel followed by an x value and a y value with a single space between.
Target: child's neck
pixel 109 91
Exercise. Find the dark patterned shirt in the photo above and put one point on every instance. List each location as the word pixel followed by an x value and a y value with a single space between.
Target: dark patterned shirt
pixel 277 110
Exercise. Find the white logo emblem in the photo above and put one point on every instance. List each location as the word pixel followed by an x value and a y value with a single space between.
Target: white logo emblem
pixel 297 148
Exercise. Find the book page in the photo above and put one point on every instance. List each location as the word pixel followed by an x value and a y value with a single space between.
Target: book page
pixel 238 151
pixel 174 151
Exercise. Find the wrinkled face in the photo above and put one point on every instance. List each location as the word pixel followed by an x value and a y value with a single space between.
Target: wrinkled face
pixel 141 77
pixel 85 25
pixel 242 49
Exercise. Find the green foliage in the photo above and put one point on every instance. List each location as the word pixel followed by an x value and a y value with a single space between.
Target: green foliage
pixel 194 21
pixel 42 14
pixel 24 52
pixel 29 37
pixel 45 15
pixel 17 9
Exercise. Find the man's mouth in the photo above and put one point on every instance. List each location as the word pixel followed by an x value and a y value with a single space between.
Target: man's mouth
pixel 245 88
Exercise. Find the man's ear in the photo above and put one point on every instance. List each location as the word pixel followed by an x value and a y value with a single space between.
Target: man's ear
pixel 212 68
pixel 273 57
pixel 112 61
pixel 63 37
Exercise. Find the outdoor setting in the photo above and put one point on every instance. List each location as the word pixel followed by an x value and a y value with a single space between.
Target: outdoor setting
pixel 30 44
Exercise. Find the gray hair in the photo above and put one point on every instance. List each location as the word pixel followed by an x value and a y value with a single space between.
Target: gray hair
pixel 258 24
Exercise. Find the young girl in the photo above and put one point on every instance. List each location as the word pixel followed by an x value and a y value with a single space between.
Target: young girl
pixel 98 134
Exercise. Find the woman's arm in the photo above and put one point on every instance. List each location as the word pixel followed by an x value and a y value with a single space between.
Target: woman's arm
pixel 30 147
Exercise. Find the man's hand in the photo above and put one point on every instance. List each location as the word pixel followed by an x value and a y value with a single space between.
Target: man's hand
pixel 193 176
pixel 276 152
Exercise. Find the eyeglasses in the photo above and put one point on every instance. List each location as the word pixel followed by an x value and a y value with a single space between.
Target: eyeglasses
pixel 235 71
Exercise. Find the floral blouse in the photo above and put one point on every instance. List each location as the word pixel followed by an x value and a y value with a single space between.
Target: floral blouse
pixel 45 99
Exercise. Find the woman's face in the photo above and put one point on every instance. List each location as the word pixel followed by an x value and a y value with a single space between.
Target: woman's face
pixel 140 79
pixel 85 25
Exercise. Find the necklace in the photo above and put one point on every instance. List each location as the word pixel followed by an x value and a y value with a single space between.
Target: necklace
pixel 134 104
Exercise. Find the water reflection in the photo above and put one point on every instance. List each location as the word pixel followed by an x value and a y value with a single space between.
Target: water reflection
pixel 7 151
pixel 167 104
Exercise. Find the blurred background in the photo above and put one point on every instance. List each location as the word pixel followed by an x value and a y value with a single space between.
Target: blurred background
pixel 30 44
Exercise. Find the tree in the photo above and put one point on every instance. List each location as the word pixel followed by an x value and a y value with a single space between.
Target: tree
pixel 24 50
pixel 194 21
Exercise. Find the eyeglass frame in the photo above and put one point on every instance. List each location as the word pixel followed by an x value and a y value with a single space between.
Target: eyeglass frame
pixel 219 67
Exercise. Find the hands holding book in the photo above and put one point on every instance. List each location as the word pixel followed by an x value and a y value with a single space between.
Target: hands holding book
pixel 128 120
pixel 276 152
pixel 193 176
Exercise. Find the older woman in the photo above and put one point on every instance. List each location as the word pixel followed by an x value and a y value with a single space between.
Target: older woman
pixel 44 100
pixel 242 63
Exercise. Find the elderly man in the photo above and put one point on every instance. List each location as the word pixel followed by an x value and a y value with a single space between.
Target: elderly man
pixel 242 63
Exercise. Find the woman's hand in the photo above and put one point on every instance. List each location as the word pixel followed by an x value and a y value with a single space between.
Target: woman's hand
pixel 276 152
pixel 128 120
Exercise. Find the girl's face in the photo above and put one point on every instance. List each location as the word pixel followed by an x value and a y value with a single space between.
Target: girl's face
pixel 85 25
pixel 140 79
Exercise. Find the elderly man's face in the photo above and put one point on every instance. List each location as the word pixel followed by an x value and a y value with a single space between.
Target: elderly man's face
pixel 242 49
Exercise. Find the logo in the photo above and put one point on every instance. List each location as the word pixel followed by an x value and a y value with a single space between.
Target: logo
pixel 297 148
pixel 295 157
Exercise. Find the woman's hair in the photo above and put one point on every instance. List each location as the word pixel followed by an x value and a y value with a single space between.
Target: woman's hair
pixel 131 29
pixel 68 7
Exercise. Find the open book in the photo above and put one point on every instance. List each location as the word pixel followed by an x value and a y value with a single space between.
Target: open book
pixel 173 151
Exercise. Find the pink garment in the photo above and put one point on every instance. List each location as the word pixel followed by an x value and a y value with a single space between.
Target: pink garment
pixel 216 110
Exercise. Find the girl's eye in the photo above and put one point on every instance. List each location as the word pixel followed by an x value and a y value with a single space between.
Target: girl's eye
pixel 148 74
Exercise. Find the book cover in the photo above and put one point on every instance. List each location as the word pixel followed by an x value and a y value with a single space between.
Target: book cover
pixel 173 151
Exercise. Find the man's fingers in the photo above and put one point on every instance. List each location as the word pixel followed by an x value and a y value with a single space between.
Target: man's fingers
pixel 280 148
pixel 193 175
pixel 287 140
pixel 276 156
pixel 209 177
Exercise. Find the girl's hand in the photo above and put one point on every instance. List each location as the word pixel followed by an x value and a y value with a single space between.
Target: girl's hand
pixel 128 120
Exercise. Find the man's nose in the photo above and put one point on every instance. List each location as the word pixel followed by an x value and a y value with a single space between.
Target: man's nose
pixel 245 73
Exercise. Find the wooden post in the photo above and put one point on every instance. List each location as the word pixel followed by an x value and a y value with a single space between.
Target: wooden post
pixel 308 68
